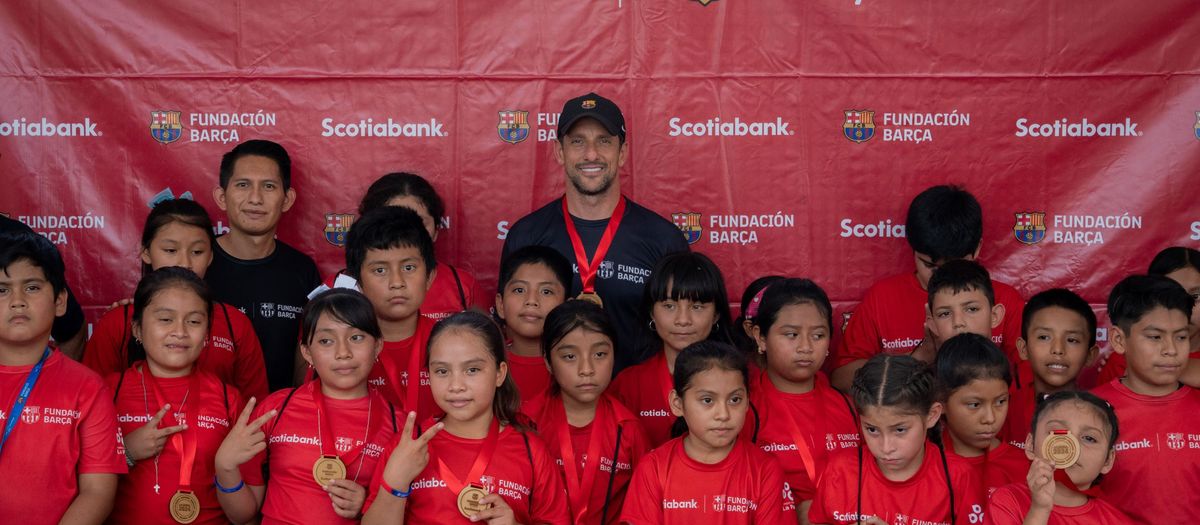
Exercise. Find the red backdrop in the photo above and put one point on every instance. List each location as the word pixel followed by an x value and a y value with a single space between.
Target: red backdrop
pixel 961 92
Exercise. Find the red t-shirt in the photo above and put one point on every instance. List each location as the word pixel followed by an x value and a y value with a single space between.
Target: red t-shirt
pixel 443 298
pixel 68 427
pixel 526 478
pixel 891 318
pixel 1158 454
pixel 1114 368
pixel 644 389
pixel 390 374
pixel 1010 504
pixel 293 496
pixel 209 412
pixel 234 357
pixel 530 375
pixel 925 496
pixel 998 467
pixel 668 487
pixel 822 416
pixel 550 416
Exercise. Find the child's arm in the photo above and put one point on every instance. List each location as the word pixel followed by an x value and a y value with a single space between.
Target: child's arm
pixel 245 442
pixel 405 462
pixel 1041 488
pixel 95 500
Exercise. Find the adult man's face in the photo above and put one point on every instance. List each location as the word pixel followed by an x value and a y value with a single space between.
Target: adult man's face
pixel 591 156
pixel 255 198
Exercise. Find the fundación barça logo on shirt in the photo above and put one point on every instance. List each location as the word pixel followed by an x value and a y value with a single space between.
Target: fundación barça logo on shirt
pixel 513 126
pixel 689 223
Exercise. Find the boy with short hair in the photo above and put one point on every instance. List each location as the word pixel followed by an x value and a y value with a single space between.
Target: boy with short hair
pixel 533 280
pixel 944 223
pixel 1158 455
pixel 390 254
pixel 961 300
pixel 61 451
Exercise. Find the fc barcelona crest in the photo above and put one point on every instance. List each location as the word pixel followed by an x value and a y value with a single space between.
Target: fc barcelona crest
pixel 1030 227
pixel 165 126
pixel 689 224
pixel 513 126
pixel 859 126
pixel 336 226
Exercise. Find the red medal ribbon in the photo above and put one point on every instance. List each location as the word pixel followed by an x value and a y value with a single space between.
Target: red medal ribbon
pixel 327 432
pixel 587 271
pixel 666 380
pixel 810 465
pixel 481 461
pixel 578 491
pixel 185 446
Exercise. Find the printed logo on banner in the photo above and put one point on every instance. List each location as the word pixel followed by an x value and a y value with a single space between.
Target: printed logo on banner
pixel 165 126
pixel 859 126
pixel 165 195
pixel 336 226
pixel 688 223
pixel 1030 227
pixel 1197 128
pixel 513 126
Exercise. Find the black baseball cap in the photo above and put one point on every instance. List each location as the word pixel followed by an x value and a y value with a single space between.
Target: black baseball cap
pixel 593 106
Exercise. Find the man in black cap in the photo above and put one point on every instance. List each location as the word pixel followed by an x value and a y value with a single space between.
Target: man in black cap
pixel 612 241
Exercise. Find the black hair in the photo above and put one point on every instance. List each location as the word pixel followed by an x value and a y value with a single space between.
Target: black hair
pixel 507 404
pixel 37 250
pixel 1174 258
pixel 741 339
pixel 788 292
pixel 534 254
pixel 401 184
pixel 343 304
pixel 944 222
pixel 185 211
pixel 1137 295
pixel 968 357
pixel 383 229
pixel 961 275
pixel 897 381
pixel 262 148
pixel 1061 298
pixel 150 286
pixel 686 275
pixel 1107 413
pixel 569 316
pixel 700 357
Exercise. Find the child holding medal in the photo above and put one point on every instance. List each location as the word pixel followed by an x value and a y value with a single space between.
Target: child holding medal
pixel 593 436
pixel 320 442
pixel 1071 446
pixel 173 414
pixel 476 464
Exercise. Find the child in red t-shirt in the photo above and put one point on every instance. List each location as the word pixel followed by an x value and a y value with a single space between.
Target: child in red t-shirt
pixel 961 300
pixel 60 451
pixel 906 477
pixel 973 378
pixel 709 475
pixel 594 439
pixel 178 232
pixel 477 463
pixel 321 442
pixel 1058 339
pixel 533 280
pixel 801 419
pixel 171 465
pixel 1051 497
pixel 685 302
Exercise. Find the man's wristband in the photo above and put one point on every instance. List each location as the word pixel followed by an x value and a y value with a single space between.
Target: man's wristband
pixel 397 492
pixel 236 488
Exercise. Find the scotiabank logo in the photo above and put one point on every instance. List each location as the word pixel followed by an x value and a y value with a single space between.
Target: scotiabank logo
pixel 47 128
pixel 1065 127
pixel 729 128
pixel 389 128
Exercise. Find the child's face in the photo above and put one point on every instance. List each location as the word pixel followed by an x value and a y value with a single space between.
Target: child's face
pixel 1057 346
pixel 179 244
pixel 714 406
pixel 341 354
pixel 1088 426
pixel 395 281
pixel 532 292
pixel 463 374
pixel 1156 349
pixel 797 343
pixel 28 304
pixel 173 329
pixel 683 322
pixel 582 364
pixel 967 311
pixel 896 437
pixel 1189 279
pixel 976 411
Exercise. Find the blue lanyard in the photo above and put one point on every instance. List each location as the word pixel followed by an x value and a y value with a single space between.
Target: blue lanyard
pixel 14 415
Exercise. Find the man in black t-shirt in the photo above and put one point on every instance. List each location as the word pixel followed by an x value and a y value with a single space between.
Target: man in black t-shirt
pixel 263 277
pixel 591 148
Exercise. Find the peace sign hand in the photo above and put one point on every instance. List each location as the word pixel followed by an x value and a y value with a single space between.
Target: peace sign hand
pixel 244 441
pixel 410 456
pixel 148 441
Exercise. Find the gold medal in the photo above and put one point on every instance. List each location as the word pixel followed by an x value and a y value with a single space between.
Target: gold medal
pixel 1061 448
pixel 185 507
pixel 327 469
pixel 591 297
pixel 469 500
